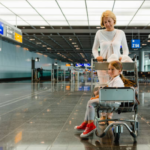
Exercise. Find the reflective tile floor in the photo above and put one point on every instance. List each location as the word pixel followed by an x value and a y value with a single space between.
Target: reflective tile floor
pixel 42 116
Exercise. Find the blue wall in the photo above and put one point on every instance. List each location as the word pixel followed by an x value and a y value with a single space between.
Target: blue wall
pixel 15 62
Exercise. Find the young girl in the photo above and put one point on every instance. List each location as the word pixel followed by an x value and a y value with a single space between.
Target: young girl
pixel 117 80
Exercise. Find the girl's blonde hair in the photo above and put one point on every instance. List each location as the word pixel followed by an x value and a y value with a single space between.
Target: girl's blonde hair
pixel 118 66
pixel 107 13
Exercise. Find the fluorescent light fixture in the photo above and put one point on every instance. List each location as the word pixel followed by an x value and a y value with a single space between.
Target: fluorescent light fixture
pixel 70 39
pixel 43 45
pixel 76 22
pixel 122 23
pixel 24 11
pixel 42 27
pixel 4 11
pixel 58 23
pixel 141 18
pixel 146 5
pixel 127 4
pixel 139 23
pixel 75 45
pixel 38 43
pixel 124 18
pixel 49 11
pixel 73 42
pixel 74 11
pixel 70 4
pixel 148 41
pixel 37 23
pixel 96 11
pixel 124 12
pixel 15 3
pixel 100 4
pixel 31 17
pixel 44 3
pixel 32 39
pixel 75 17
pixel 143 12
pixel 54 17
pixel 77 48
pixel 8 17
pixel 98 27
pixel 48 48
pixel 144 44
pixel 95 23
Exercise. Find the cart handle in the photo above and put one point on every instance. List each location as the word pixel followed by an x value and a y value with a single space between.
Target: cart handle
pixel 97 61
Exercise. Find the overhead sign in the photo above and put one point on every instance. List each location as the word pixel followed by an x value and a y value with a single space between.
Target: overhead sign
pixel 82 65
pixel 1 28
pixel 9 31
pixel 68 65
pixel 18 37
pixel 135 43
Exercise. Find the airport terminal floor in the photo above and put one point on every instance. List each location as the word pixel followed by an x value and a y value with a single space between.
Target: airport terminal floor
pixel 42 116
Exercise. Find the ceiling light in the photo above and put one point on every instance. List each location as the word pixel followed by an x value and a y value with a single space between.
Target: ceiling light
pixel 32 39
pixel 70 39
pixel 78 48
pixel 144 44
pixel 75 45
pixel 148 41
pixel 48 48
pixel 38 43
pixel 44 45
pixel 73 42
pixel 42 27
pixel 98 27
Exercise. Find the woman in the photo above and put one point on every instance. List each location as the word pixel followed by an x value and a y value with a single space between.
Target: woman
pixel 109 40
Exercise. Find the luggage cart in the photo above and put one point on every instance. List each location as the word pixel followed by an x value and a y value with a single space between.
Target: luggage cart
pixel 126 99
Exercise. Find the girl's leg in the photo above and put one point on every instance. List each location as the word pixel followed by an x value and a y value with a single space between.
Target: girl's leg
pixel 90 128
pixel 84 124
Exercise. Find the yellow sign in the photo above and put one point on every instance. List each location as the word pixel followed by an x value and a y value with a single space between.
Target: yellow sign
pixel 68 65
pixel 18 37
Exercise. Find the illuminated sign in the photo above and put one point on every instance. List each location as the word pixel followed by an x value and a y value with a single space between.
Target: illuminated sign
pixel 135 43
pixel 1 28
pixel 82 65
pixel 18 37
pixel 68 65
pixel 10 32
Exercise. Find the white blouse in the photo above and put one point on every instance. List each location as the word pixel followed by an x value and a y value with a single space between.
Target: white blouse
pixel 116 82
pixel 104 39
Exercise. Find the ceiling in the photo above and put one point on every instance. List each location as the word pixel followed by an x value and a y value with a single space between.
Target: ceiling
pixel 69 26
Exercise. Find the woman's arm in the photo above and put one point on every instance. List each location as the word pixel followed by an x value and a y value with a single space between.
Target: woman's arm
pixel 96 45
pixel 124 44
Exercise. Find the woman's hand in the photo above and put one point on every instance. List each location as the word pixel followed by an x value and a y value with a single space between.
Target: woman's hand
pixel 99 59
pixel 120 58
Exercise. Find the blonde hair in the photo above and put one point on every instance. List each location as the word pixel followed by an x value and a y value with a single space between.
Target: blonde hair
pixel 107 13
pixel 118 66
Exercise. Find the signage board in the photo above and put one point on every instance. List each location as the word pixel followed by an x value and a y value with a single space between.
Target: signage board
pixel 1 28
pixel 135 43
pixel 9 31
pixel 18 37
